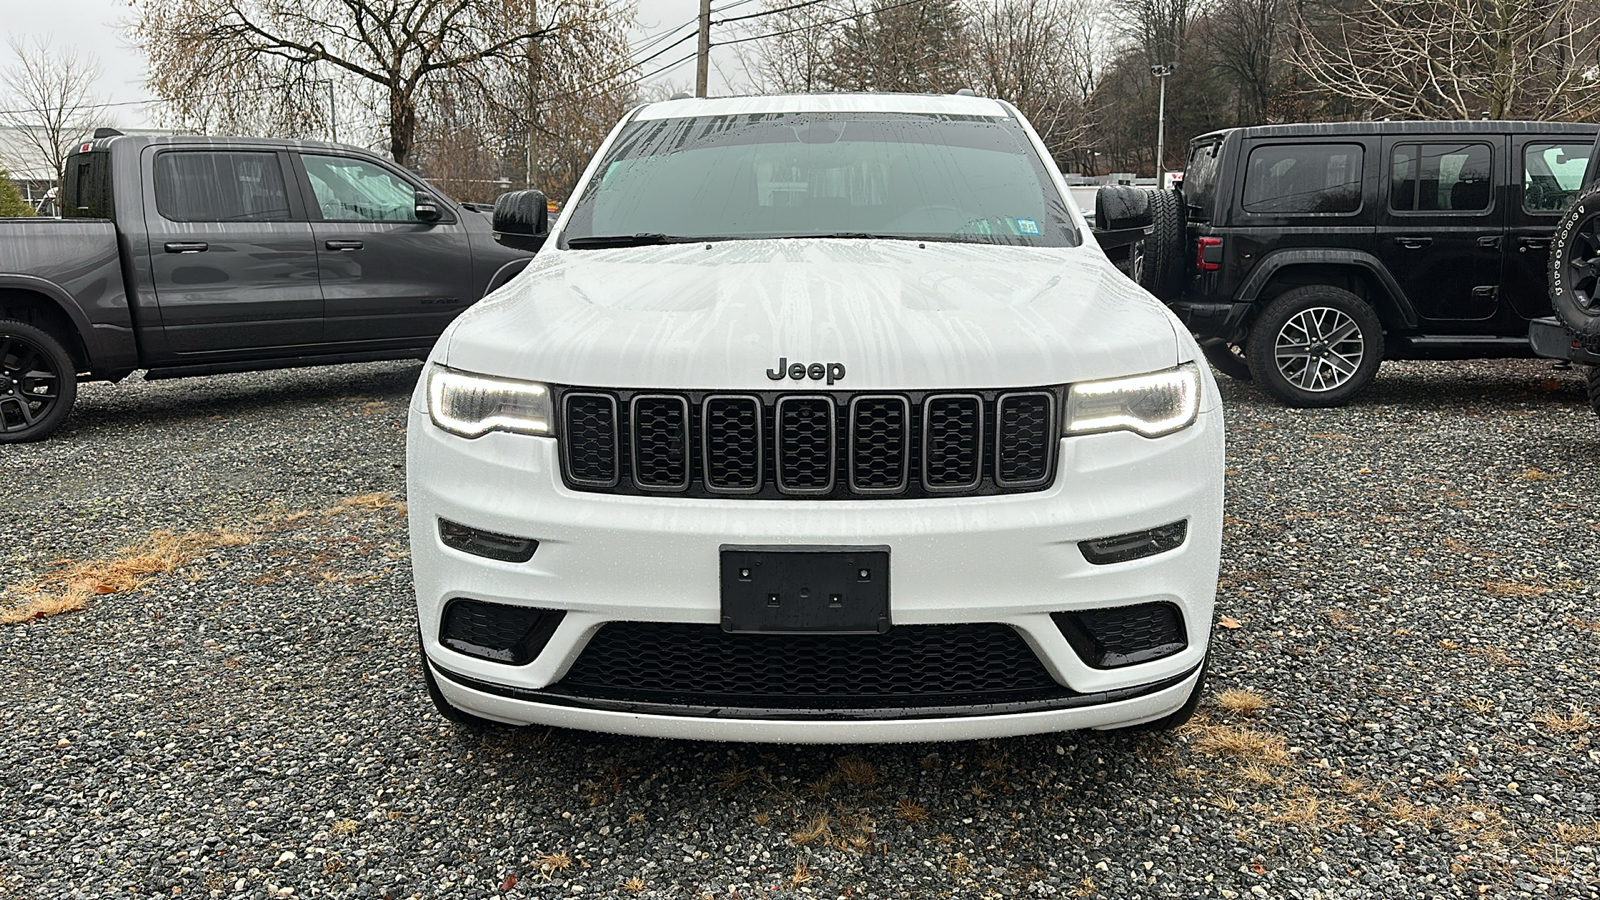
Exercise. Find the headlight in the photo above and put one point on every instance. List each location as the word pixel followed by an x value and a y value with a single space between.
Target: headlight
pixel 474 405
pixel 1152 405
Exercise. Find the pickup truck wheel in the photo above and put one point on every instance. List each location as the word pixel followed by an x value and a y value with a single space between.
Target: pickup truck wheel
pixel 1228 358
pixel 1316 346
pixel 1592 379
pixel 38 382
pixel 1574 268
pixel 1165 250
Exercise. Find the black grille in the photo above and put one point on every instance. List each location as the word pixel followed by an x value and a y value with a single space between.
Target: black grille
pixel 590 441
pixel 661 442
pixel 732 453
pixel 911 665
pixel 503 633
pixel 805 445
pixel 832 446
pixel 952 428
pixel 1022 445
pixel 1124 635
pixel 879 444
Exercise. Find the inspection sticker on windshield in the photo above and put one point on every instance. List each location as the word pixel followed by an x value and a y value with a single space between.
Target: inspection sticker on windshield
pixel 1027 226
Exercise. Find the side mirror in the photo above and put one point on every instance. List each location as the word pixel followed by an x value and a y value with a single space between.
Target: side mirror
pixel 521 220
pixel 427 208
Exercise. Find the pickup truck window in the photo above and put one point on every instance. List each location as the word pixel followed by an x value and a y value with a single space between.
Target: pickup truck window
pixel 1303 178
pixel 1552 175
pixel 1434 177
pixel 87 186
pixel 350 190
pixel 225 186
pixel 969 179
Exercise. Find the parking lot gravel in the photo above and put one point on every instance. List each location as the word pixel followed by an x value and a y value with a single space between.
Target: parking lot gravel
pixel 1404 700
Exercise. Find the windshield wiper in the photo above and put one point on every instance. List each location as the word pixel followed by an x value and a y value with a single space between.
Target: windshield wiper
pixel 643 239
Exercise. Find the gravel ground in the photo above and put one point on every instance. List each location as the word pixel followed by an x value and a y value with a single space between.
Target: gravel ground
pixel 1409 591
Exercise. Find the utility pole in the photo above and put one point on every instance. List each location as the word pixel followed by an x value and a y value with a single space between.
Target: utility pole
pixel 1161 72
pixel 703 63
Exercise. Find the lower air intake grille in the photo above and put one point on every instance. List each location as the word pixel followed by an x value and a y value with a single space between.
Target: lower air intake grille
pixel 497 631
pixel 911 665
pixel 1124 635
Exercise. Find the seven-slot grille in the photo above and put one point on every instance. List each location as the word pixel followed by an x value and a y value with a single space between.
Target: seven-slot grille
pixel 791 445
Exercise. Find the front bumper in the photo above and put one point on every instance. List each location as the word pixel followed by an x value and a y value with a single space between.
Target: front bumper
pixel 1008 559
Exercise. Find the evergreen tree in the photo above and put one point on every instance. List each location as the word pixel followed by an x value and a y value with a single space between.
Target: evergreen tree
pixel 11 202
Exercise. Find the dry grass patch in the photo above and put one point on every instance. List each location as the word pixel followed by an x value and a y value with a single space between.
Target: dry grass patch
pixel 367 503
pixel 1480 705
pixel 802 875
pixel 914 813
pixel 1495 587
pixel 1304 808
pixel 344 827
pixel 551 863
pixel 858 771
pixel 1240 742
pixel 1534 473
pixel 1579 835
pixel 818 828
pixel 634 885
pixel 1584 624
pixel 1573 723
pixel 1257 774
pixel 72 584
pixel 1241 702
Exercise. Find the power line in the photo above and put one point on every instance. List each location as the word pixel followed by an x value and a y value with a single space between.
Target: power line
pixel 769 12
pixel 807 27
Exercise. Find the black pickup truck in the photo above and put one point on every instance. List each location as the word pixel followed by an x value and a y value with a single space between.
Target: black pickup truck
pixel 195 256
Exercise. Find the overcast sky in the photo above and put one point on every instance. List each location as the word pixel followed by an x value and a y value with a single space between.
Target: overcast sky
pixel 93 27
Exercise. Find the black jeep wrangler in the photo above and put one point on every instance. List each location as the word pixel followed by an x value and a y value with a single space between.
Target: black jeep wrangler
pixel 1302 255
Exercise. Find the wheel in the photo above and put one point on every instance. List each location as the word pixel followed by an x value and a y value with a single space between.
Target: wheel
pixel 1592 379
pixel 460 717
pixel 1228 359
pixel 1166 257
pixel 1574 273
pixel 38 382
pixel 1181 716
pixel 1315 346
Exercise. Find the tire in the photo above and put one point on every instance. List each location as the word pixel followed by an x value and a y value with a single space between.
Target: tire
pixel 1341 339
pixel 458 716
pixel 1181 716
pixel 1574 269
pixel 1118 206
pixel 38 382
pixel 1592 380
pixel 1166 256
pixel 1228 359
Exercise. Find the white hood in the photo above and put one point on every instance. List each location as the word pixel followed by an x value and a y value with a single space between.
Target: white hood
pixel 895 314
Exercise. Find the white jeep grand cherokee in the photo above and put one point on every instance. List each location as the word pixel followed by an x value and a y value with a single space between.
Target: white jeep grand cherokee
pixel 818 419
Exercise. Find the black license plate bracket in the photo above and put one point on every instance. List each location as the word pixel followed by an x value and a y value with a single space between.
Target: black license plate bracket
pixel 805 589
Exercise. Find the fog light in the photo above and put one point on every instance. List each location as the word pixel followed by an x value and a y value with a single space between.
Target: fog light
pixel 503 547
pixel 497 631
pixel 1134 545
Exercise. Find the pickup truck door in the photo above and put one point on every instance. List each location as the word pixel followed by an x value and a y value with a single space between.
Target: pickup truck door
pixel 231 252
pixel 387 278
pixel 1550 170
pixel 1440 229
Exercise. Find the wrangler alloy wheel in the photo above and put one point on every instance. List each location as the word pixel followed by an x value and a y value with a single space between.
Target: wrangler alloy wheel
pixel 1315 346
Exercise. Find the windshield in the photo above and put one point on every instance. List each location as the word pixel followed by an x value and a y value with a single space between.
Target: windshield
pixel 972 179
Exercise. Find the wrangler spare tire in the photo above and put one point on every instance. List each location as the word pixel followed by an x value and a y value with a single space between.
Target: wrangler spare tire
pixel 1118 206
pixel 1166 250
pixel 1574 273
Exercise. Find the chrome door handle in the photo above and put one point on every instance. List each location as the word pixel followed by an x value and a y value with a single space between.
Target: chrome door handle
pixel 1413 243
pixel 346 246
pixel 187 246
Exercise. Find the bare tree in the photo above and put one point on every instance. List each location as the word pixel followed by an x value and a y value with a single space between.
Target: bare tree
pixel 1037 54
pixel 1459 59
pixel 50 100
pixel 1246 41
pixel 266 62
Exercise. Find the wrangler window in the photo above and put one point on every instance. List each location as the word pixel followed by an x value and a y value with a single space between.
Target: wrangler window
pixel 1552 175
pixel 1303 178
pixel 1440 177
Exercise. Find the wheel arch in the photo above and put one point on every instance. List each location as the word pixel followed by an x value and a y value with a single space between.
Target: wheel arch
pixel 1360 273
pixel 46 306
